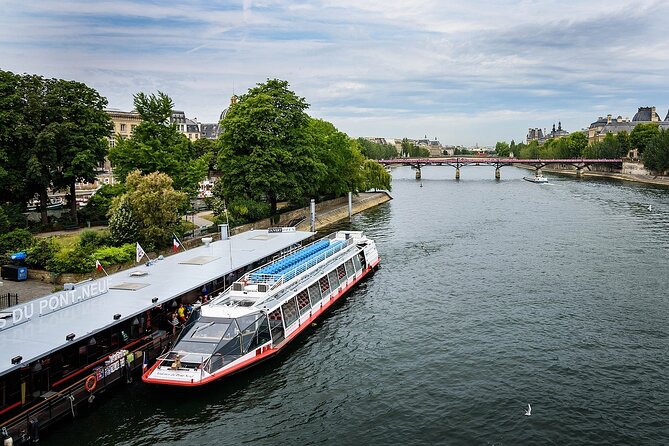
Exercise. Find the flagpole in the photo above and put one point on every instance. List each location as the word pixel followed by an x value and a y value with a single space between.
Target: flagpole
pixel 180 243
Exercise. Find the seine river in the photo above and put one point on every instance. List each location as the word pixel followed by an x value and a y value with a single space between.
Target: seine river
pixel 491 295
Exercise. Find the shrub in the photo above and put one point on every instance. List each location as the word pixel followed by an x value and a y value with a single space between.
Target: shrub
pixel 16 240
pixel 91 240
pixel 41 252
pixel 111 255
pixel 71 260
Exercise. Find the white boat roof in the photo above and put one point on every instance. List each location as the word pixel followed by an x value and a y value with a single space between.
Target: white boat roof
pixel 83 313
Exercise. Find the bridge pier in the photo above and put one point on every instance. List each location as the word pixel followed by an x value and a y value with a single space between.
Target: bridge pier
pixel 579 172
pixel 418 173
pixel 457 173
pixel 498 174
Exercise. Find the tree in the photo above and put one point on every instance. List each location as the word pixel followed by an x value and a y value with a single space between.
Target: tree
pixel 265 151
pixel 123 226
pixel 154 205
pixel 656 156
pixel 502 149
pixel 577 142
pixel 625 143
pixel 77 132
pixel 339 157
pixel 642 134
pixel 157 146
pixel 513 149
pixel 376 151
pixel 375 176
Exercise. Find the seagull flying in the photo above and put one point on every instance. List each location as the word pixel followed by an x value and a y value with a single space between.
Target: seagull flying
pixel 528 412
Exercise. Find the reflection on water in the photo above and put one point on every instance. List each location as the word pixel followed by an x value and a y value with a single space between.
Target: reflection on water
pixel 491 295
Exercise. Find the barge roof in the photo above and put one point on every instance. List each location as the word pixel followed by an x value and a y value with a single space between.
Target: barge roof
pixel 130 292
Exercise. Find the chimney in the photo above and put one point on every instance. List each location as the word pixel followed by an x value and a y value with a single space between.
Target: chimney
pixel 653 115
pixel 608 119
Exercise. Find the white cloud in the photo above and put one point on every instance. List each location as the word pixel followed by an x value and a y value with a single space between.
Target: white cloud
pixel 456 70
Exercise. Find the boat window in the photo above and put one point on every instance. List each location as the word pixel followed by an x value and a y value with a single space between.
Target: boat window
pixel 341 273
pixel 334 281
pixel 303 303
pixel 356 263
pixel 349 268
pixel 325 285
pixel 195 347
pixel 315 294
pixel 275 324
pixel 209 331
pixel 289 310
pixel 361 257
pixel 261 335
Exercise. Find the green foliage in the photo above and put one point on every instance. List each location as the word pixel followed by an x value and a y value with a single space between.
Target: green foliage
pixel 91 239
pixel 374 176
pixel 413 151
pixel 52 134
pixel 97 208
pixel 149 212
pixel 462 151
pixel 376 151
pixel 16 240
pixel 609 148
pixel 577 142
pixel 123 226
pixel 4 221
pixel 157 146
pixel 502 149
pixel 240 210
pixel 42 252
pixel 265 151
pixel 208 149
pixel 656 156
pixel 71 260
pixel 642 134
pixel 112 255
pixel 513 149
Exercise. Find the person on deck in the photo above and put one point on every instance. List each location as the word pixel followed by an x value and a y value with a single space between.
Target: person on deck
pixel 181 313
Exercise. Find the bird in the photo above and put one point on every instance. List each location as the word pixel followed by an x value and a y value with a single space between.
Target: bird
pixel 650 207
pixel 528 412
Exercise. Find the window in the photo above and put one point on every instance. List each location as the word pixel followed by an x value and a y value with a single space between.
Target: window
pixel 123 127
pixel 349 268
pixel 289 312
pixel 341 273
pixel 132 127
pixel 315 293
pixel 303 303
pixel 325 285
pixel 356 262
pixel 334 281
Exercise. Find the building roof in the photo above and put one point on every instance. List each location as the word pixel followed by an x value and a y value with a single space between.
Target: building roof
pixel 646 114
pixel 83 313
pixel 210 131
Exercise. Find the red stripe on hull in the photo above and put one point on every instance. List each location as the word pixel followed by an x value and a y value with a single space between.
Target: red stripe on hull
pixel 264 355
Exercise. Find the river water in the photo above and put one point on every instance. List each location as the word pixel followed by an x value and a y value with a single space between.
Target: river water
pixel 491 295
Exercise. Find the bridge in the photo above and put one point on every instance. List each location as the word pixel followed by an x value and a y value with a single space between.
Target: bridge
pixel 538 164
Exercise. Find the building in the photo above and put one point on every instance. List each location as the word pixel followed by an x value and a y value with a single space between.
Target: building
pixel 603 126
pixel 536 134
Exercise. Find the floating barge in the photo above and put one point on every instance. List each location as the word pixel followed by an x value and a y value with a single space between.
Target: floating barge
pixel 264 310
pixel 60 350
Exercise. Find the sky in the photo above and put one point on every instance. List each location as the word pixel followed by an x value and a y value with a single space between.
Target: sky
pixel 463 72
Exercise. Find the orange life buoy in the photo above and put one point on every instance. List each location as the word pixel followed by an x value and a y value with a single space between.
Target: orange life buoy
pixel 91 382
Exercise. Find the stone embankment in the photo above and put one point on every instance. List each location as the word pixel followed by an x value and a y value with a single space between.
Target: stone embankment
pixel 630 172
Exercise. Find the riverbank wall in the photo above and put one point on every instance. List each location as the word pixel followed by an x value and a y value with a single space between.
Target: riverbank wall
pixel 327 212
pixel 635 172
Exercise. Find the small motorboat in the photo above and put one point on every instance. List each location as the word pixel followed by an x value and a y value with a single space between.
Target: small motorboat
pixel 537 179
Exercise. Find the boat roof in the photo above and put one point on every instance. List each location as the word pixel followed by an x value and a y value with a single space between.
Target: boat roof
pixel 92 306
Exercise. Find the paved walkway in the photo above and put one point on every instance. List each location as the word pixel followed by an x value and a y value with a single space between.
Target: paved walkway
pixel 27 289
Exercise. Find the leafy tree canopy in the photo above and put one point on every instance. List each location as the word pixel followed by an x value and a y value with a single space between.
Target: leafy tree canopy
pixel 157 146
pixel 502 149
pixel 265 152
pixel 656 156
pixel 642 134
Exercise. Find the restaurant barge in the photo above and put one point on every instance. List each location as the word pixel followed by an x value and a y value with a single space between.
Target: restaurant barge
pixel 61 350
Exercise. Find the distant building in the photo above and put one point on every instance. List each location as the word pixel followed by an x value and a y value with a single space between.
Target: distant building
pixel 603 126
pixel 541 137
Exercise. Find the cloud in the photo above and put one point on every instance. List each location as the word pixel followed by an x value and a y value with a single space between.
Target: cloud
pixel 453 70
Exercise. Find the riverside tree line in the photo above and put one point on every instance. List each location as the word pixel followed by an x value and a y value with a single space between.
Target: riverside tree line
pixel 651 142
pixel 54 133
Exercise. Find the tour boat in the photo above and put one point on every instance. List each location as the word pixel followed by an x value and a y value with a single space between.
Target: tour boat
pixel 265 309
pixel 537 179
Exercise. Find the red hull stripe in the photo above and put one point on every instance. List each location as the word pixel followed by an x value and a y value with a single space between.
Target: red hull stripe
pixel 266 353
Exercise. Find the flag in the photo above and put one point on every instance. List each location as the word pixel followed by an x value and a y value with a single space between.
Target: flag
pixel 175 243
pixel 98 265
pixel 139 253
pixel 145 364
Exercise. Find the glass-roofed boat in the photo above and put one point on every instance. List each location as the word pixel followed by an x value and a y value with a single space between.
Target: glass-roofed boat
pixel 264 310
